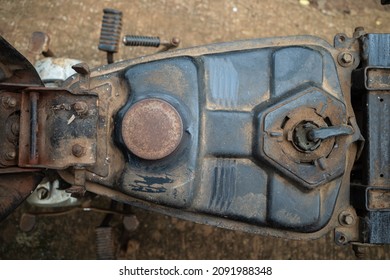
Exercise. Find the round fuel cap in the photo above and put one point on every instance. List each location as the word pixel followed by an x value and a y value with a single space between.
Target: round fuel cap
pixel 152 129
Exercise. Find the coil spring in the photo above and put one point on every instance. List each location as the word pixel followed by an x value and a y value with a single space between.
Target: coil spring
pixel 111 30
pixel 141 41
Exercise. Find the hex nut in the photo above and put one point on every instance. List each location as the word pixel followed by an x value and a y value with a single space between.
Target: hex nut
pixel 346 218
pixel 349 219
pixel 11 102
pixel 345 59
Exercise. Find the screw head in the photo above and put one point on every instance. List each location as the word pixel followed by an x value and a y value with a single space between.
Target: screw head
pixel 348 219
pixel 78 150
pixel 9 102
pixel 345 59
pixel 10 155
pixel 80 107
pixel 15 128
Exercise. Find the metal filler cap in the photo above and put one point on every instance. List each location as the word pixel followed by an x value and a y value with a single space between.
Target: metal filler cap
pixel 152 129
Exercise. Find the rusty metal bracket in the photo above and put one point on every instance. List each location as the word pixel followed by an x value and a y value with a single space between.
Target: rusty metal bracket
pixel 57 128
pixel 372 78
pixel 348 230
pixel 83 69
pixel 377 199
pixel 377 78
pixel 78 188
pixel 370 192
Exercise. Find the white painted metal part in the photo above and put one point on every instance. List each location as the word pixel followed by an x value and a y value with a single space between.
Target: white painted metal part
pixel 55 69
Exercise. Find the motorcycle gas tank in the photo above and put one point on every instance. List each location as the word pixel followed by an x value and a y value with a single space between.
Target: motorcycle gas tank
pixel 215 132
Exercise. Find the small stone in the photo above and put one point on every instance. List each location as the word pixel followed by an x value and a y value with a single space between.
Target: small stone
pixel 304 2
pixel 130 223
pixel 132 247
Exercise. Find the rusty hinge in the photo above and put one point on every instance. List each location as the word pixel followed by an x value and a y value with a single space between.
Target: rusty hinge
pixel 58 129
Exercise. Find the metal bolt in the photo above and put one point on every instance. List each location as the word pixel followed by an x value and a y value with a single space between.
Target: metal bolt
pixel 10 155
pixel 173 43
pixel 15 128
pixel 78 150
pixel 347 58
pixel 9 102
pixel 80 107
pixel 346 219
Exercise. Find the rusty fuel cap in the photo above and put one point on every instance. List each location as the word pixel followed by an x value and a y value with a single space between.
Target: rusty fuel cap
pixel 152 129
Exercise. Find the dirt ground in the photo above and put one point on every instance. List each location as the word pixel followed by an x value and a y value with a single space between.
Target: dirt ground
pixel 74 27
